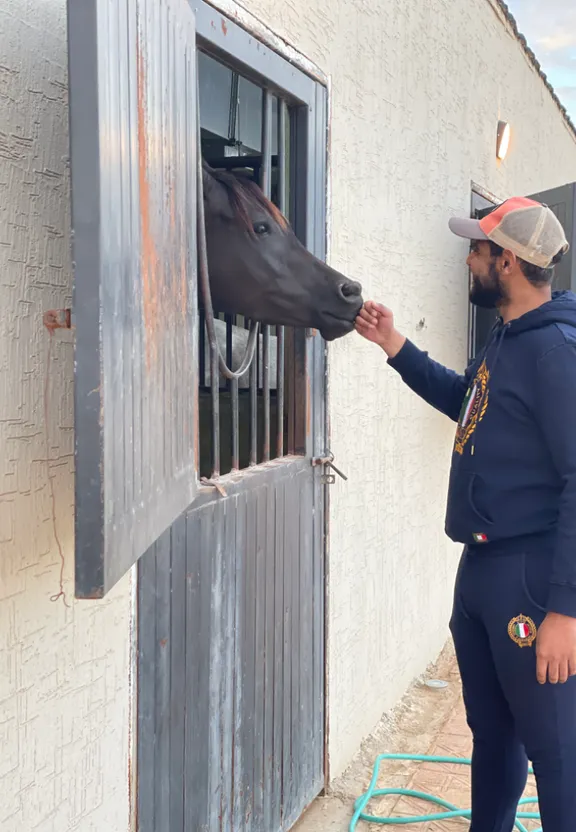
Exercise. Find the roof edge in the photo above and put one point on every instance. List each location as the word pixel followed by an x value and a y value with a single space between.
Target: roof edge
pixel 534 61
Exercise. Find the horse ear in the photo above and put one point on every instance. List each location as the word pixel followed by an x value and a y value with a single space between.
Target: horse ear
pixel 209 183
pixel 206 169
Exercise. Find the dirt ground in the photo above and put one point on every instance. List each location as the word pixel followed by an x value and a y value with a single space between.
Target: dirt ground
pixel 427 721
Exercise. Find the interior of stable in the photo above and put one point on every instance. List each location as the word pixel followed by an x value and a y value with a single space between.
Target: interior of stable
pixel 231 122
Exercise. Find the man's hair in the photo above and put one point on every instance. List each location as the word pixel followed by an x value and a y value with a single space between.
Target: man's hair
pixel 534 274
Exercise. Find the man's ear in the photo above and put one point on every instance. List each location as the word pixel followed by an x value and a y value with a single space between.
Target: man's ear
pixel 509 261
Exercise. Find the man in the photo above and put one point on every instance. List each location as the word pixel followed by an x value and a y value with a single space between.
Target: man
pixel 512 502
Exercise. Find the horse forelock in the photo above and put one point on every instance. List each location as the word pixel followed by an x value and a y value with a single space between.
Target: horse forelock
pixel 241 193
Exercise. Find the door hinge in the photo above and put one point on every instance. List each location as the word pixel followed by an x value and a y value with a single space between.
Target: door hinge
pixel 328 462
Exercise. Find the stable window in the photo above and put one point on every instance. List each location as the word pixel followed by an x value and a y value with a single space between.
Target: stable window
pixel 153 432
pixel 250 131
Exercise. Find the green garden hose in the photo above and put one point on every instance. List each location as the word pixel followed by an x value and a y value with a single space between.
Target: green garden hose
pixel 450 810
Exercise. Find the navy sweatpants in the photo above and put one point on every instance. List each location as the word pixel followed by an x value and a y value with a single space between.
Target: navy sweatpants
pixel 511 716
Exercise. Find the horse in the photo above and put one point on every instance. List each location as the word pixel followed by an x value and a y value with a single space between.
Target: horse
pixel 260 270
pixel 258 267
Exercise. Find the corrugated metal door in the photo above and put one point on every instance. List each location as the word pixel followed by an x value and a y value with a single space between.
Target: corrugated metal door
pixel 231 674
pixel 231 597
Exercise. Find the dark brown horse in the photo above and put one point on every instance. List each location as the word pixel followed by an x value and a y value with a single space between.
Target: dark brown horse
pixel 258 268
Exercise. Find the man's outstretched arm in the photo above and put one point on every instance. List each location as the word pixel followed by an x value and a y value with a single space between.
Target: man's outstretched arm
pixel 440 387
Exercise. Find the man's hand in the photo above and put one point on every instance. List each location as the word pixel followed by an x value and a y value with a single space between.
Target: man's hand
pixel 376 323
pixel 556 649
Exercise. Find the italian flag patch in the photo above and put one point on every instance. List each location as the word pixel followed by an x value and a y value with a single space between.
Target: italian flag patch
pixel 468 405
pixel 522 629
pixel 480 537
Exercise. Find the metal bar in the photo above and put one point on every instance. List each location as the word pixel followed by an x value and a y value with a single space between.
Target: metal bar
pixel 266 167
pixel 283 116
pixel 232 386
pixel 301 215
pixel 266 185
pixel 233 115
pixel 253 459
pixel 266 392
pixel 215 395
pixel 202 348
pixel 290 390
pixel 234 403
pixel 208 311
pixel 229 320
pixel 280 370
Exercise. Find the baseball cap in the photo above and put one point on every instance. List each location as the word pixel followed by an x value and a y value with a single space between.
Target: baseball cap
pixel 527 228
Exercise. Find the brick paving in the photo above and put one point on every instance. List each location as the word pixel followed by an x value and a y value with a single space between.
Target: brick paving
pixel 428 721
pixel 451 782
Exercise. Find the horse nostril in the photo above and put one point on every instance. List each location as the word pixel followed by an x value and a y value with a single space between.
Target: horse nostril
pixel 351 289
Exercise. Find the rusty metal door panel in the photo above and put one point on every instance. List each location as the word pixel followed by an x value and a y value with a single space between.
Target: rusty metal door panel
pixel 231 597
pixel 238 680
pixel 133 151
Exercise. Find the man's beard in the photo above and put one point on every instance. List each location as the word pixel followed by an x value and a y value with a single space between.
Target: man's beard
pixel 489 293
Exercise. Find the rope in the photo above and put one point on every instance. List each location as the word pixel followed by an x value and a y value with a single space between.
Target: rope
pixel 450 811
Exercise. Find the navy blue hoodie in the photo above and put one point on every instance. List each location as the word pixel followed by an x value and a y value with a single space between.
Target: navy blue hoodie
pixel 513 477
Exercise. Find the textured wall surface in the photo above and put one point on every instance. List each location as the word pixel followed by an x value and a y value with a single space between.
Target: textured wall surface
pixel 416 93
pixel 64 671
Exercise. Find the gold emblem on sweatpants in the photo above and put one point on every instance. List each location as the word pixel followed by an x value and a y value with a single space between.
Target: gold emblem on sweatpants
pixel 522 631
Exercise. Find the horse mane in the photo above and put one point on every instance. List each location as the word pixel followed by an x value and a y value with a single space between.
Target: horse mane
pixel 241 192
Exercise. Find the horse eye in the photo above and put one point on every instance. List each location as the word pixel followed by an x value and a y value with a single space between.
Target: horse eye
pixel 261 228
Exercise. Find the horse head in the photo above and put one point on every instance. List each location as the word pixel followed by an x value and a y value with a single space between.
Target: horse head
pixel 258 268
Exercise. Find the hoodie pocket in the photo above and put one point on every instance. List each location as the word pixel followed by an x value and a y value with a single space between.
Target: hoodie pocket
pixel 476 500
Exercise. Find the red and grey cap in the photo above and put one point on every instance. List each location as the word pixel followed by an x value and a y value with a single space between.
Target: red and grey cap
pixel 527 228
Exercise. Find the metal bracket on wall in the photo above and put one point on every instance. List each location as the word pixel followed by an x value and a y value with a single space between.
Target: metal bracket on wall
pixel 328 462
pixel 59 319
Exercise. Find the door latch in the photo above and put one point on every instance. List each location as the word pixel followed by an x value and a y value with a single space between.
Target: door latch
pixel 328 462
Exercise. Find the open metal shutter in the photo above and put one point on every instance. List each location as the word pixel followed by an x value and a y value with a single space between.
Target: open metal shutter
pixel 133 154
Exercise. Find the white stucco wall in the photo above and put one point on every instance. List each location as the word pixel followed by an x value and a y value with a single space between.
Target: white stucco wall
pixel 64 671
pixel 416 93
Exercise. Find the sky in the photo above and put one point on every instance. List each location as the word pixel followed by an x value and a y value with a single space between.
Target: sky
pixel 549 26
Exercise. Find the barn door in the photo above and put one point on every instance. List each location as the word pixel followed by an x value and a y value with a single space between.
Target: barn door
pixel 562 201
pixel 132 127
pixel 231 598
